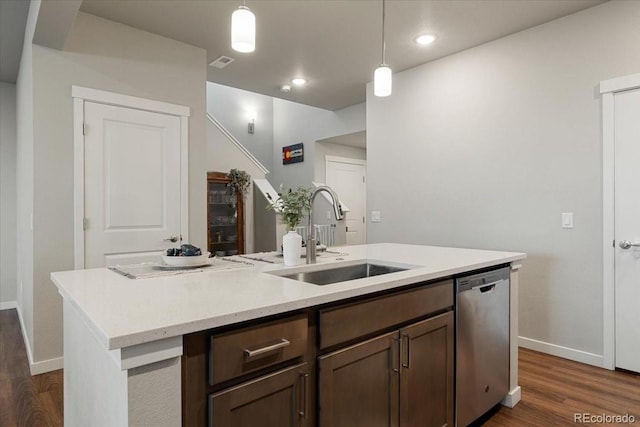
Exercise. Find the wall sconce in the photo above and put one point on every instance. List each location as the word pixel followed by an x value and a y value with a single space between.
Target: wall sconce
pixel 251 127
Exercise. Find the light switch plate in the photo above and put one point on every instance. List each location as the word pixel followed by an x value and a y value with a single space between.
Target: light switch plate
pixel 375 216
pixel 567 220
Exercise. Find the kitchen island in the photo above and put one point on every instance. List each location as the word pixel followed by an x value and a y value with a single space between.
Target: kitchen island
pixel 123 338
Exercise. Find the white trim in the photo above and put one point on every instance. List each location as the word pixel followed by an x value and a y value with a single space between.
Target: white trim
pixel 184 178
pixel 25 338
pixel 237 143
pixel 560 351
pixel 37 368
pixel 339 159
pixel 78 184
pixel 45 366
pixel 512 398
pixel 147 353
pixel 121 100
pixel 620 83
pixel 80 96
pixel 607 89
pixel 608 233
pixel 8 305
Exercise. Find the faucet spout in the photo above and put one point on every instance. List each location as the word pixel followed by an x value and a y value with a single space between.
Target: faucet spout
pixel 337 210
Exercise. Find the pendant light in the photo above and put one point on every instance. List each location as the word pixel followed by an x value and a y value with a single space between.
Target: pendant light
pixel 382 75
pixel 243 29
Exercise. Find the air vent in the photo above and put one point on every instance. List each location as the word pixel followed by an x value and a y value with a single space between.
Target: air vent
pixel 222 61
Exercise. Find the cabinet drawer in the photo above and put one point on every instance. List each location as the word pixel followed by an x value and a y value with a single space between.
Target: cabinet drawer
pixel 246 350
pixel 347 322
pixel 279 399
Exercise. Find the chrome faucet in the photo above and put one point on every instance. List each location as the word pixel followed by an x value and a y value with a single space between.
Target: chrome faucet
pixel 337 210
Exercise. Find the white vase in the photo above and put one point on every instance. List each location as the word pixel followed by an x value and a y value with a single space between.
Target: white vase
pixel 291 248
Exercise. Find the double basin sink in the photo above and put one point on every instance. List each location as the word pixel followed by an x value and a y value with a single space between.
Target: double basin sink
pixel 337 274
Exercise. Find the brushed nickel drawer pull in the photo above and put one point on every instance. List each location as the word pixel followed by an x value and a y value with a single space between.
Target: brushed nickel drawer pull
pixel 248 354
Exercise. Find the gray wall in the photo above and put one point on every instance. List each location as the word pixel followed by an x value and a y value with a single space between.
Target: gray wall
pixel 24 182
pixel 103 55
pixel 280 123
pixel 8 207
pixel 487 148
pixel 295 123
pixel 231 107
pixel 324 149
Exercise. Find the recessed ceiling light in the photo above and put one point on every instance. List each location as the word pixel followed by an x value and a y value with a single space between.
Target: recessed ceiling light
pixel 298 81
pixel 285 88
pixel 425 39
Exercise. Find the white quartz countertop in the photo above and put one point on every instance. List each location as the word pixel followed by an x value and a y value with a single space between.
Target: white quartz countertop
pixel 123 312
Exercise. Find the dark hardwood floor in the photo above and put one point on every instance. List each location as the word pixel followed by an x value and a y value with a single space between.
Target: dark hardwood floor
pixel 553 389
pixel 25 400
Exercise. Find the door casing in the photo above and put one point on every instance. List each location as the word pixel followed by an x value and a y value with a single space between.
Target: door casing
pixel 82 94
pixel 363 163
pixel 607 89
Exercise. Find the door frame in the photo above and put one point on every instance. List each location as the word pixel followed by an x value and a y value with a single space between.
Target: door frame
pixel 338 159
pixel 607 90
pixel 81 95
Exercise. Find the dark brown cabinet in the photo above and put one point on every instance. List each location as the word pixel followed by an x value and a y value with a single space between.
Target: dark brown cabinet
pixel 426 372
pixel 404 378
pixel 382 360
pixel 225 216
pixel 357 385
pixel 279 399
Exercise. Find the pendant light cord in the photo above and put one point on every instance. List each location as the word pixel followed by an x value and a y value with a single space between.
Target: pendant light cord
pixel 383 46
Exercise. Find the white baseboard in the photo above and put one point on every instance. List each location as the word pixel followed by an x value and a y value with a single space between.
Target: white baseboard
pixel 37 368
pixel 564 352
pixel 512 398
pixel 8 305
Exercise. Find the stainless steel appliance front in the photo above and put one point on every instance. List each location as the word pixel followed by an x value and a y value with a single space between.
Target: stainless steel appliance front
pixel 482 340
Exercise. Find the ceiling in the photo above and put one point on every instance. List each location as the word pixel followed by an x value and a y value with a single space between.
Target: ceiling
pixel 335 44
pixel 13 18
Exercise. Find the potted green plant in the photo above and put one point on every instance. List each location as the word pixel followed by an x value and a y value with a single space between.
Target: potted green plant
pixel 293 206
pixel 240 182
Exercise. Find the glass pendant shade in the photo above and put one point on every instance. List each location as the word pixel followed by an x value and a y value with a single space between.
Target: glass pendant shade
pixel 243 30
pixel 382 81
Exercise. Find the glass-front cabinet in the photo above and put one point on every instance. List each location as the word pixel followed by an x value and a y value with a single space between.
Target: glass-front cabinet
pixel 225 216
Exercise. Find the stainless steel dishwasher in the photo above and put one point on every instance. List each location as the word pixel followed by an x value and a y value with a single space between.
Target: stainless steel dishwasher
pixel 482 343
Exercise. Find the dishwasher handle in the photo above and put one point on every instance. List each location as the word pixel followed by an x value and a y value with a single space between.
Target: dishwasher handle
pixel 489 287
pixel 486 287
pixel 484 281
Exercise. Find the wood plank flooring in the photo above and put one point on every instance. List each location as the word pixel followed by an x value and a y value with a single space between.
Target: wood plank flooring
pixel 553 389
pixel 25 400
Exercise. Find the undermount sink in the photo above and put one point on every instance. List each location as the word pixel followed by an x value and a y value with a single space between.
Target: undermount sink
pixel 340 274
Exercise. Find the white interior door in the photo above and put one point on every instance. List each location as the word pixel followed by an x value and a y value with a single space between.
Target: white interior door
pixel 131 184
pixel 627 229
pixel 347 177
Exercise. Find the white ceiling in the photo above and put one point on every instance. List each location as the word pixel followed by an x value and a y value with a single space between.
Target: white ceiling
pixel 13 18
pixel 335 44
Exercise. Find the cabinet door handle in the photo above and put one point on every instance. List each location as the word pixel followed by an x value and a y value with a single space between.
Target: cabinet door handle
pixel 398 349
pixel 303 412
pixel 407 351
pixel 248 354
